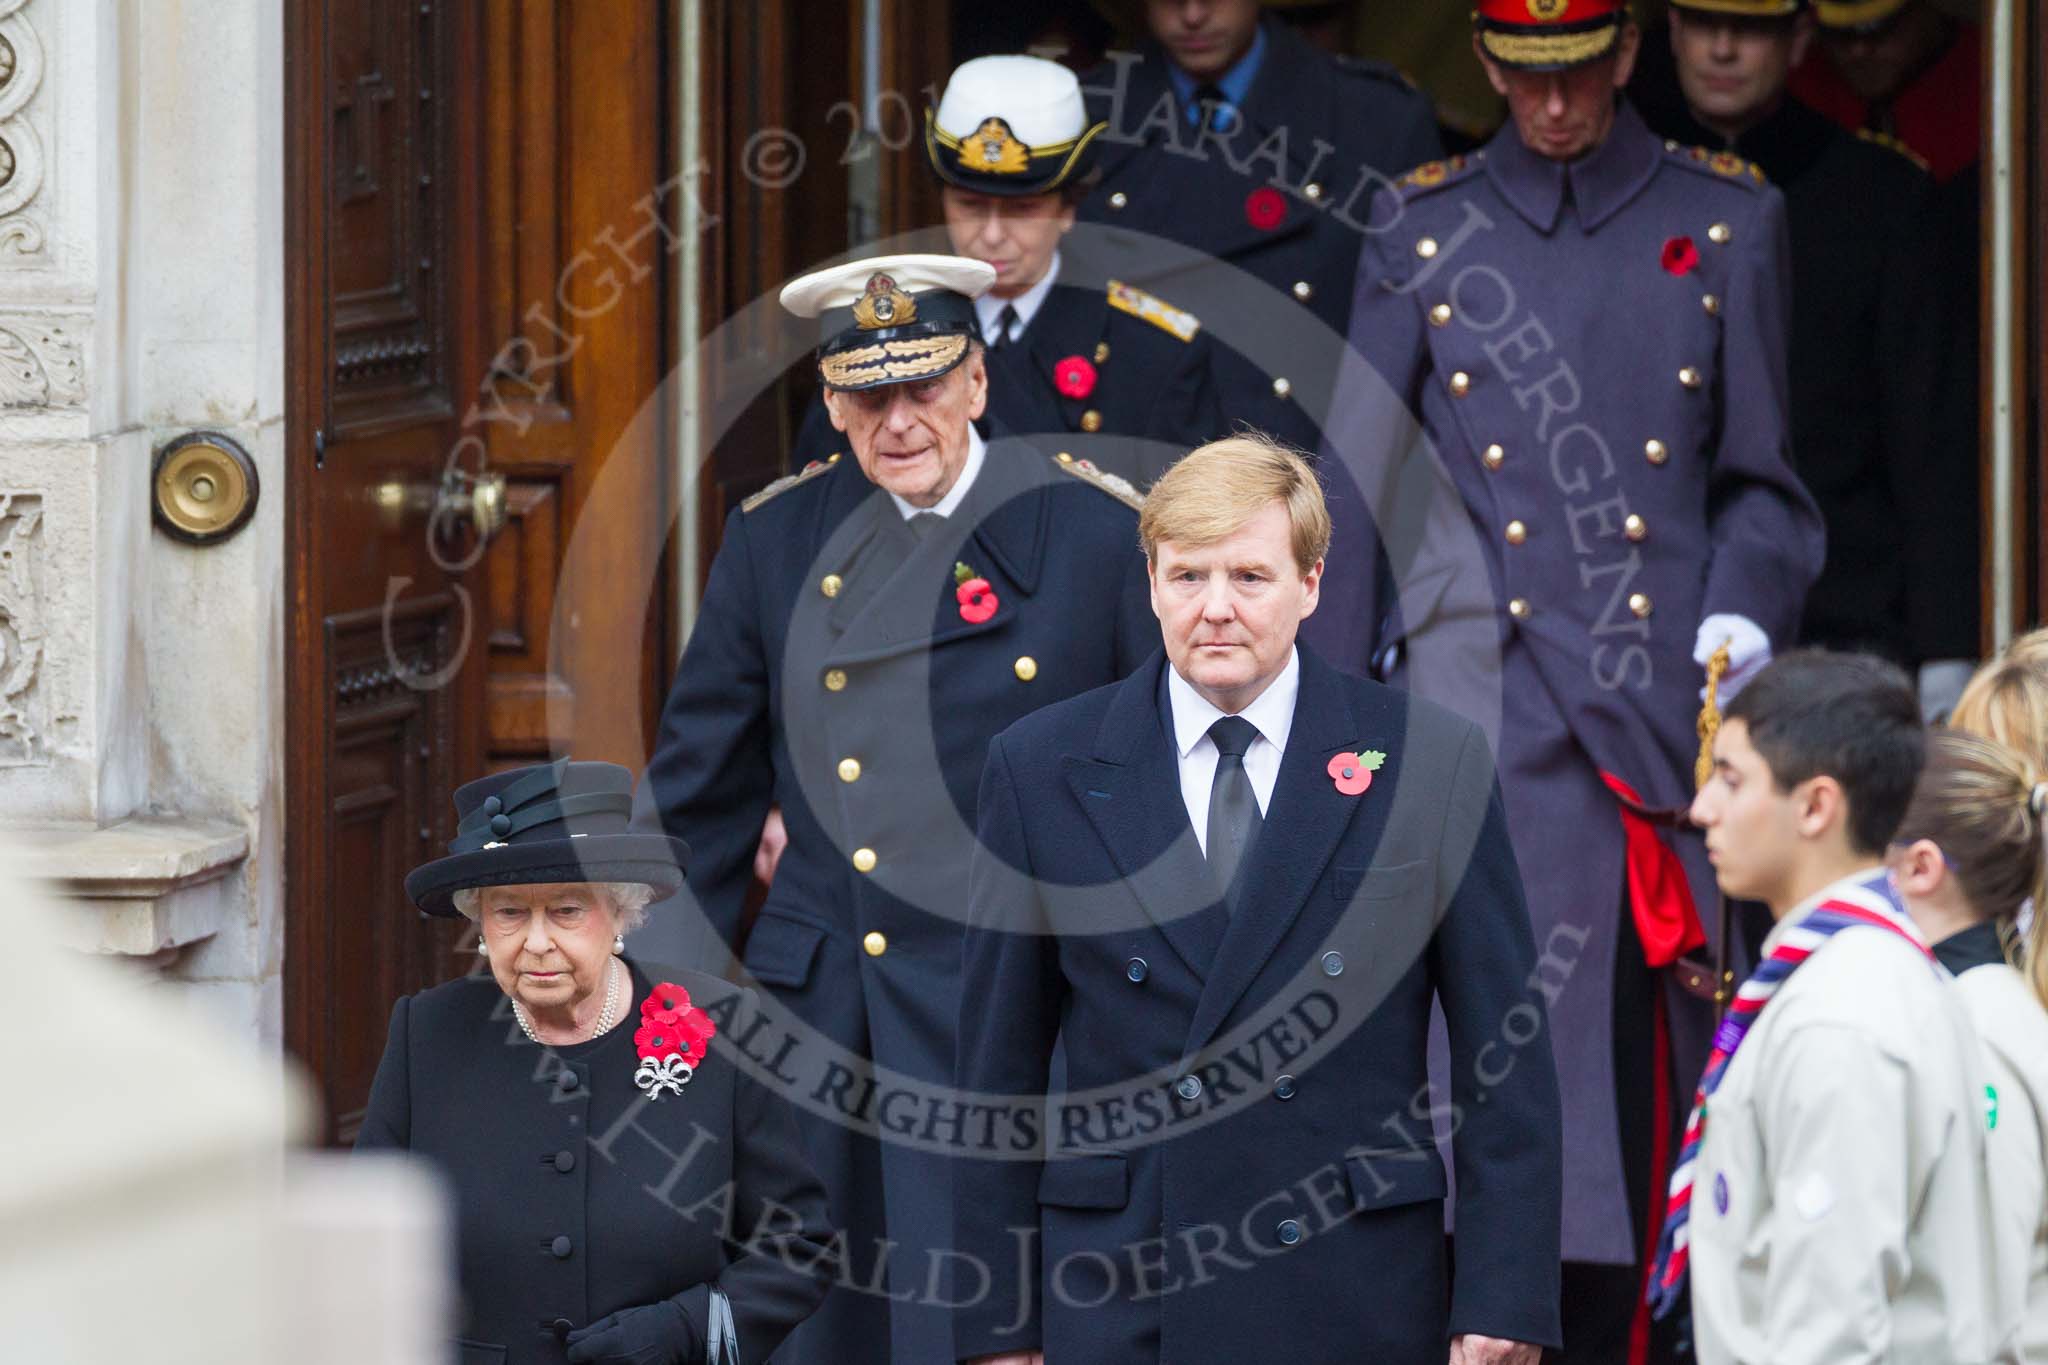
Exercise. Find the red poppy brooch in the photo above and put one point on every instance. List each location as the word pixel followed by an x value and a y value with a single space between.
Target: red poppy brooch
pixel 1265 208
pixel 672 1039
pixel 1074 377
pixel 1353 772
pixel 977 599
pixel 1680 256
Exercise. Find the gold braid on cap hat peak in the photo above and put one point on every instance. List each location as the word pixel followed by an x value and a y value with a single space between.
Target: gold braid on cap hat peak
pixel 1544 48
pixel 908 358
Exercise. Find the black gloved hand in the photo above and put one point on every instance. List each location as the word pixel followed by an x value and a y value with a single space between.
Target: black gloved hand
pixel 652 1334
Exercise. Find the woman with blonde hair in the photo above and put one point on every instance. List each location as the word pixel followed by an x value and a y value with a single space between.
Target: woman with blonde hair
pixel 1967 856
pixel 2007 700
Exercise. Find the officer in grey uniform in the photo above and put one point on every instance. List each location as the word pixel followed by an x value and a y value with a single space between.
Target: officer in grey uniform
pixel 1589 325
pixel 869 623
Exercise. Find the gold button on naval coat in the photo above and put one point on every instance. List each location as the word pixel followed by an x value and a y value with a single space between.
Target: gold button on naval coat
pixel 1520 609
pixel 1027 668
pixel 830 585
pixel 1312 190
pixel 1712 304
pixel 1281 388
pixel 1303 290
pixel 1517 532
pixel 864 860
pixel 1639 603
pixel 1101 351
pixel 1440 316
pixel 1091 420
pixel 1656 452
pixel 1119 199
pixel 1461 384
pixel 1494 457
pixel 1719 234
pixel 874 944
pixel 1689 377
pixel 835 680
pixel 849 770
pixel 1426 248
pixel 1635 528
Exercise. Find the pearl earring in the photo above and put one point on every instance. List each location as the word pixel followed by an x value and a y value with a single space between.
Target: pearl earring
pixel 618 944
pixel 483 949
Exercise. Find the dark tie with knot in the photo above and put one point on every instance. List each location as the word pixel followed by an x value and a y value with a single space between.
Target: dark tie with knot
pixel 1234 819
pixel 1214 107
pixel 1005 320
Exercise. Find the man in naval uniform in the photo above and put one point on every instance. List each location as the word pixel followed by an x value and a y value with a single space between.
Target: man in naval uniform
pixel 1589 325
pixel 1230 134
pixel 1072 350
pixel 868 624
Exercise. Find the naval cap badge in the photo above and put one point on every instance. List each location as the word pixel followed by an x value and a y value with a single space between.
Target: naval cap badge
pixel 884 304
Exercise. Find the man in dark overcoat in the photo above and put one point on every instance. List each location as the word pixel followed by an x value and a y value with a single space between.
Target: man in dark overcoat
pixel 1230 134
pixel 1225 892
pixel 1588 323
pixel 868 623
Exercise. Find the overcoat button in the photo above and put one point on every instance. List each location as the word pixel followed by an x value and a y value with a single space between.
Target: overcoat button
pixel 1711 304
pixel 1304 291
pixel 1091 421
pixel 567 1079
pixel 1494 456
pixel 1426 248
pixel 562 1328
pixel 875 943
pixel 1135 969
pixel 560 1246
pixel 1283 1087
pixel 1656 452
pixel 1520 609
pixel 1026 668
pixel 835 680
pixel 1282 388
pixel 565 1161
pixel 1689 377
pixel 1719 234
pixel 849 770
pixel 1635 528
pixel 864 860
pixel 830 584
pixel 1461 384
pixel 1312 190
pixel 1639 603
pixel 1516 532
pixel 1119 199
pixel 1440 316
pixel 1189 1088
pixel 1290 1232
pixel 1101 351
pixel 1333 963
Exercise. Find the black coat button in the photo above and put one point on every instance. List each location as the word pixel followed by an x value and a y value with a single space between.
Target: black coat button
pixel 562 1328
pixel 1333 963
pixel 567 1079
pixel 1290 1232
pixel 560 1246
pixel 1135 969
pixel 1283 1087
pixel 565 1161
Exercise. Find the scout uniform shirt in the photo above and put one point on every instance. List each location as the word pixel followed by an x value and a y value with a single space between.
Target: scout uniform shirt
pixel 1841 1206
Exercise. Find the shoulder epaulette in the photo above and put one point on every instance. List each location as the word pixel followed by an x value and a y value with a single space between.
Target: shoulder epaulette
pixel 1886 140
pixel 1115 485
pixel 1430 174
pixel 1157 311
pixel 1385 71
pixel 1733 167
pixel 789 481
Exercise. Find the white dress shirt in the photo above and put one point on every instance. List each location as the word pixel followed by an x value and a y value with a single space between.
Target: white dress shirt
pixel 988 307
pixel 1271 714
pixel 957 494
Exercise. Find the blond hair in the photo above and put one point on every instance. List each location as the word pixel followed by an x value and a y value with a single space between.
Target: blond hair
pixel 1212 491
pixel 2007 699
pixel 1985 805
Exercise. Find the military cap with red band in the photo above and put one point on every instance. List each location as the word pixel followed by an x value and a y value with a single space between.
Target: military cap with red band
pixel 1549 35
pixel 1742 9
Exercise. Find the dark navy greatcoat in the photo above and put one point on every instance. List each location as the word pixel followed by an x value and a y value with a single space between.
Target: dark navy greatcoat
pixel 1597 359
pixel 576 1196
pixel 831 673
pixel 1151 388
pixel 1283 194
pixel 1241 1166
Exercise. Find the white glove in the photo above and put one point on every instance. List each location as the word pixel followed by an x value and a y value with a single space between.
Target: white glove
pixel 1941 686
pixel 1749 649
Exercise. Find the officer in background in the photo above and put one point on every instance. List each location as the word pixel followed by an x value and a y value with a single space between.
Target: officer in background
pixel 1868 329
pixel 1231 134
pixel 868 624
pixel 1589 324
pixel 1068 349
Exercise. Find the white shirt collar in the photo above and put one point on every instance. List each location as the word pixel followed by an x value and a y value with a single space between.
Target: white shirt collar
pixel 1271 712
pixel 946 506
pixel 988 307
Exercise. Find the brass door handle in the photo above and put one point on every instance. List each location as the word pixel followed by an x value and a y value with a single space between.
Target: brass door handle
pixel 478 499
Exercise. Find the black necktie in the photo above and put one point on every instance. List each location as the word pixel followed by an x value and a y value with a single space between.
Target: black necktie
pixel 1234 819
pixel 922 524
pixel 1005 320
pixel 1215 108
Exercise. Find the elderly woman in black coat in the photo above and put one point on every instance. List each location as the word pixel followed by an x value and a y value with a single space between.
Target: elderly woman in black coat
pixel 627 1193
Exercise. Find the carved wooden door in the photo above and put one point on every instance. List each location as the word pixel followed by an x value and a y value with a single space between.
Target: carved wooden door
pixel 462 392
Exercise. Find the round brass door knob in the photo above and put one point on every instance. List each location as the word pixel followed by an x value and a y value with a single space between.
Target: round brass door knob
pixel 205 488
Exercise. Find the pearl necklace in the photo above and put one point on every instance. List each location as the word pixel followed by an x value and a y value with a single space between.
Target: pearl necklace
pixel 606 1017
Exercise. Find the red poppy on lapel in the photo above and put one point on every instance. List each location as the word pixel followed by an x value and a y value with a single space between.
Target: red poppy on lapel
pixel 1074 376
pixel 672 1040
pixel 1265 208
pixel 1680 256
pixel 1353 772
pixel 978 600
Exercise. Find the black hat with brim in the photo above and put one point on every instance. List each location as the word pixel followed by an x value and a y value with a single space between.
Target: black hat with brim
pixel 559 822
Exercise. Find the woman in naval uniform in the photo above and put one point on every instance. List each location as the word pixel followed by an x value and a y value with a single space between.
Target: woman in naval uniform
pixel 625 1191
